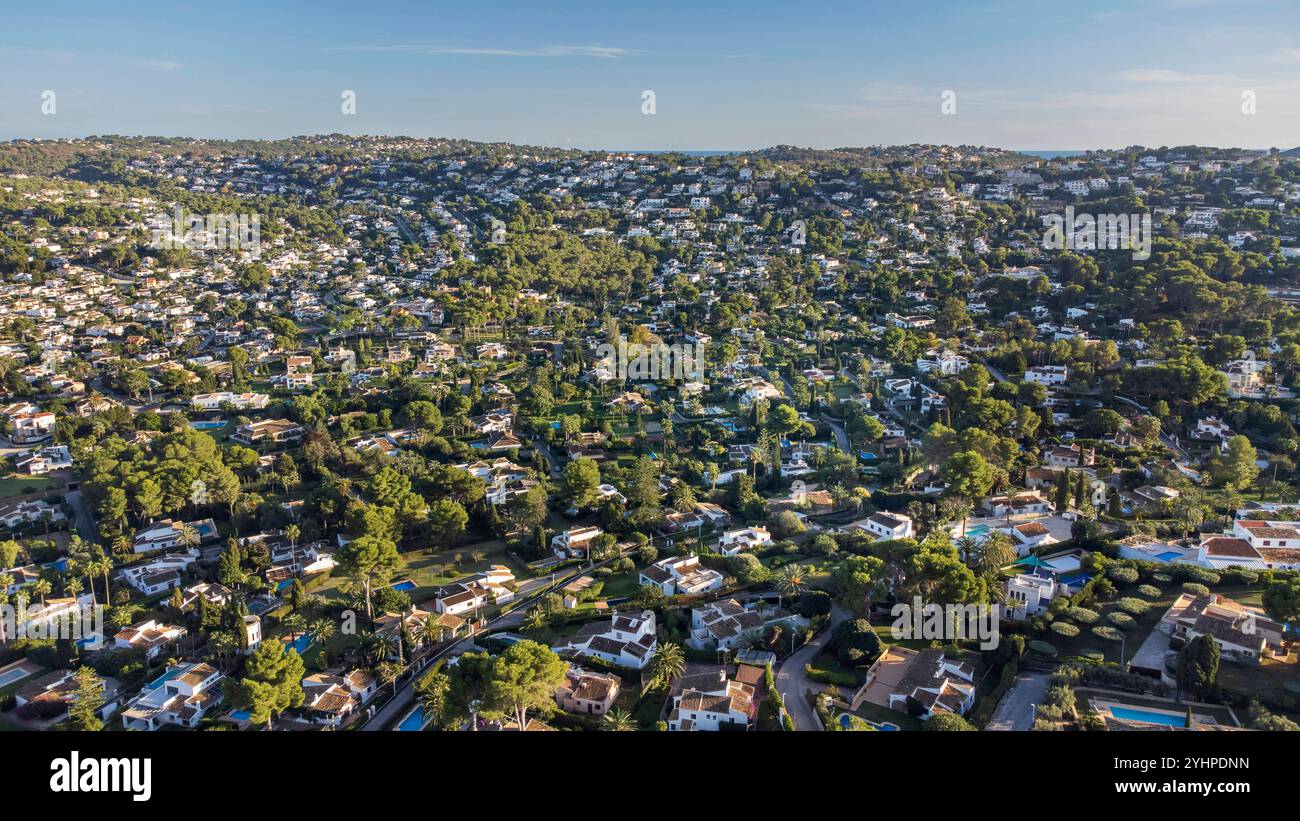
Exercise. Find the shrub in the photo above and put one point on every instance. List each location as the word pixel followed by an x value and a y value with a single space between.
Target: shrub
pixel 1149 590
pixel 1123 575
pixel 1239 576
pixel 833 677
pixel 1082 615
pixel 1122 620
pixel 1042 648
pixel 1064 628
pixel 948 722
pixel 1107 633
pixel 1196 589
pixel 1161 578
pixel 1132 605
pixel 813 603
pixel 856 643
pixel 1192 573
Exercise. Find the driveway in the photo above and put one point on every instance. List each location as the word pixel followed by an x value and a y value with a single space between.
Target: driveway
pixel 1016 710
pixel 84 519
pixel 841 438
pixel 792 681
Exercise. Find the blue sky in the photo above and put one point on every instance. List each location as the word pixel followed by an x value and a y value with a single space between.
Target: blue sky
pixel 1028 74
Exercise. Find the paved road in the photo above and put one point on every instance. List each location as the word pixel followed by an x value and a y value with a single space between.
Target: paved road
pixel 82 516
pixel 1016 710
pixel 841 438
pixel 405 698
pixel 791 681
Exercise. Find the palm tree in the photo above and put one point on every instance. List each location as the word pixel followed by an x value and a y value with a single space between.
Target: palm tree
pixel 5 581
pixel 667 663
pixel 389 672
pixel 380 646
pixel 618 721
pixel 322 629
pixel 431 631
pixel 995 552
pixel 535 619
pixel 41 588
pixel 189 536
pixel 966 548
pixel 105 566
pixel 792 580
pixel 433 694
pixel 294 623
pixel 292 532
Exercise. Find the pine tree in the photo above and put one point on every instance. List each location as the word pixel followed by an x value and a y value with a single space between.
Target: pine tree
pixel 88 700
pixel 1062 491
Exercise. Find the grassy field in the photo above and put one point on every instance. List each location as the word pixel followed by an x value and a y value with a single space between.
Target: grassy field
pixel 1134 636
pixel 12 486
pixel 432 570
pixel 620 585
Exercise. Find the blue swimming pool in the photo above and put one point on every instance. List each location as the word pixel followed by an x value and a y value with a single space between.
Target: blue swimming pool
pixel 163 679
pixel 414 721
pixel 213 425
pixel 300 644
pixel 1169 555
pixel 240 715
pixel 1148 716
pixel 13 675
pixel 404 585
pixel 977 531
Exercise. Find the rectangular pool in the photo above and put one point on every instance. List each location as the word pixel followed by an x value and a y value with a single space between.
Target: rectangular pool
pixel 1148 716
pixel 414 721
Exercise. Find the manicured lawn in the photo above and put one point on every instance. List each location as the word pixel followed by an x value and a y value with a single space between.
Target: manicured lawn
pixel 20 485
pixel 1134 636
pixel 620 585
pixel 431 570
pixel 827 662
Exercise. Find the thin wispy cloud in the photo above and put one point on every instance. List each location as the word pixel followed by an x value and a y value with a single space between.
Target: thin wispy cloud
pixel 1164 75
pixel 165 65
pixel 599 52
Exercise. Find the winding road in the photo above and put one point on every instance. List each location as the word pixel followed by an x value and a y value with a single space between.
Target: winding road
pixel 792 681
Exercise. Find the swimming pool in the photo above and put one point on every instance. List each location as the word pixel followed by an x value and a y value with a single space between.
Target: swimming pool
pixel 404 585
pixel 300 644
pixel 1169 555
pixel 10 676
pixel 164 678
pixel 213 425
pixel 1148 716
pixel 414 721
pixel 977 531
